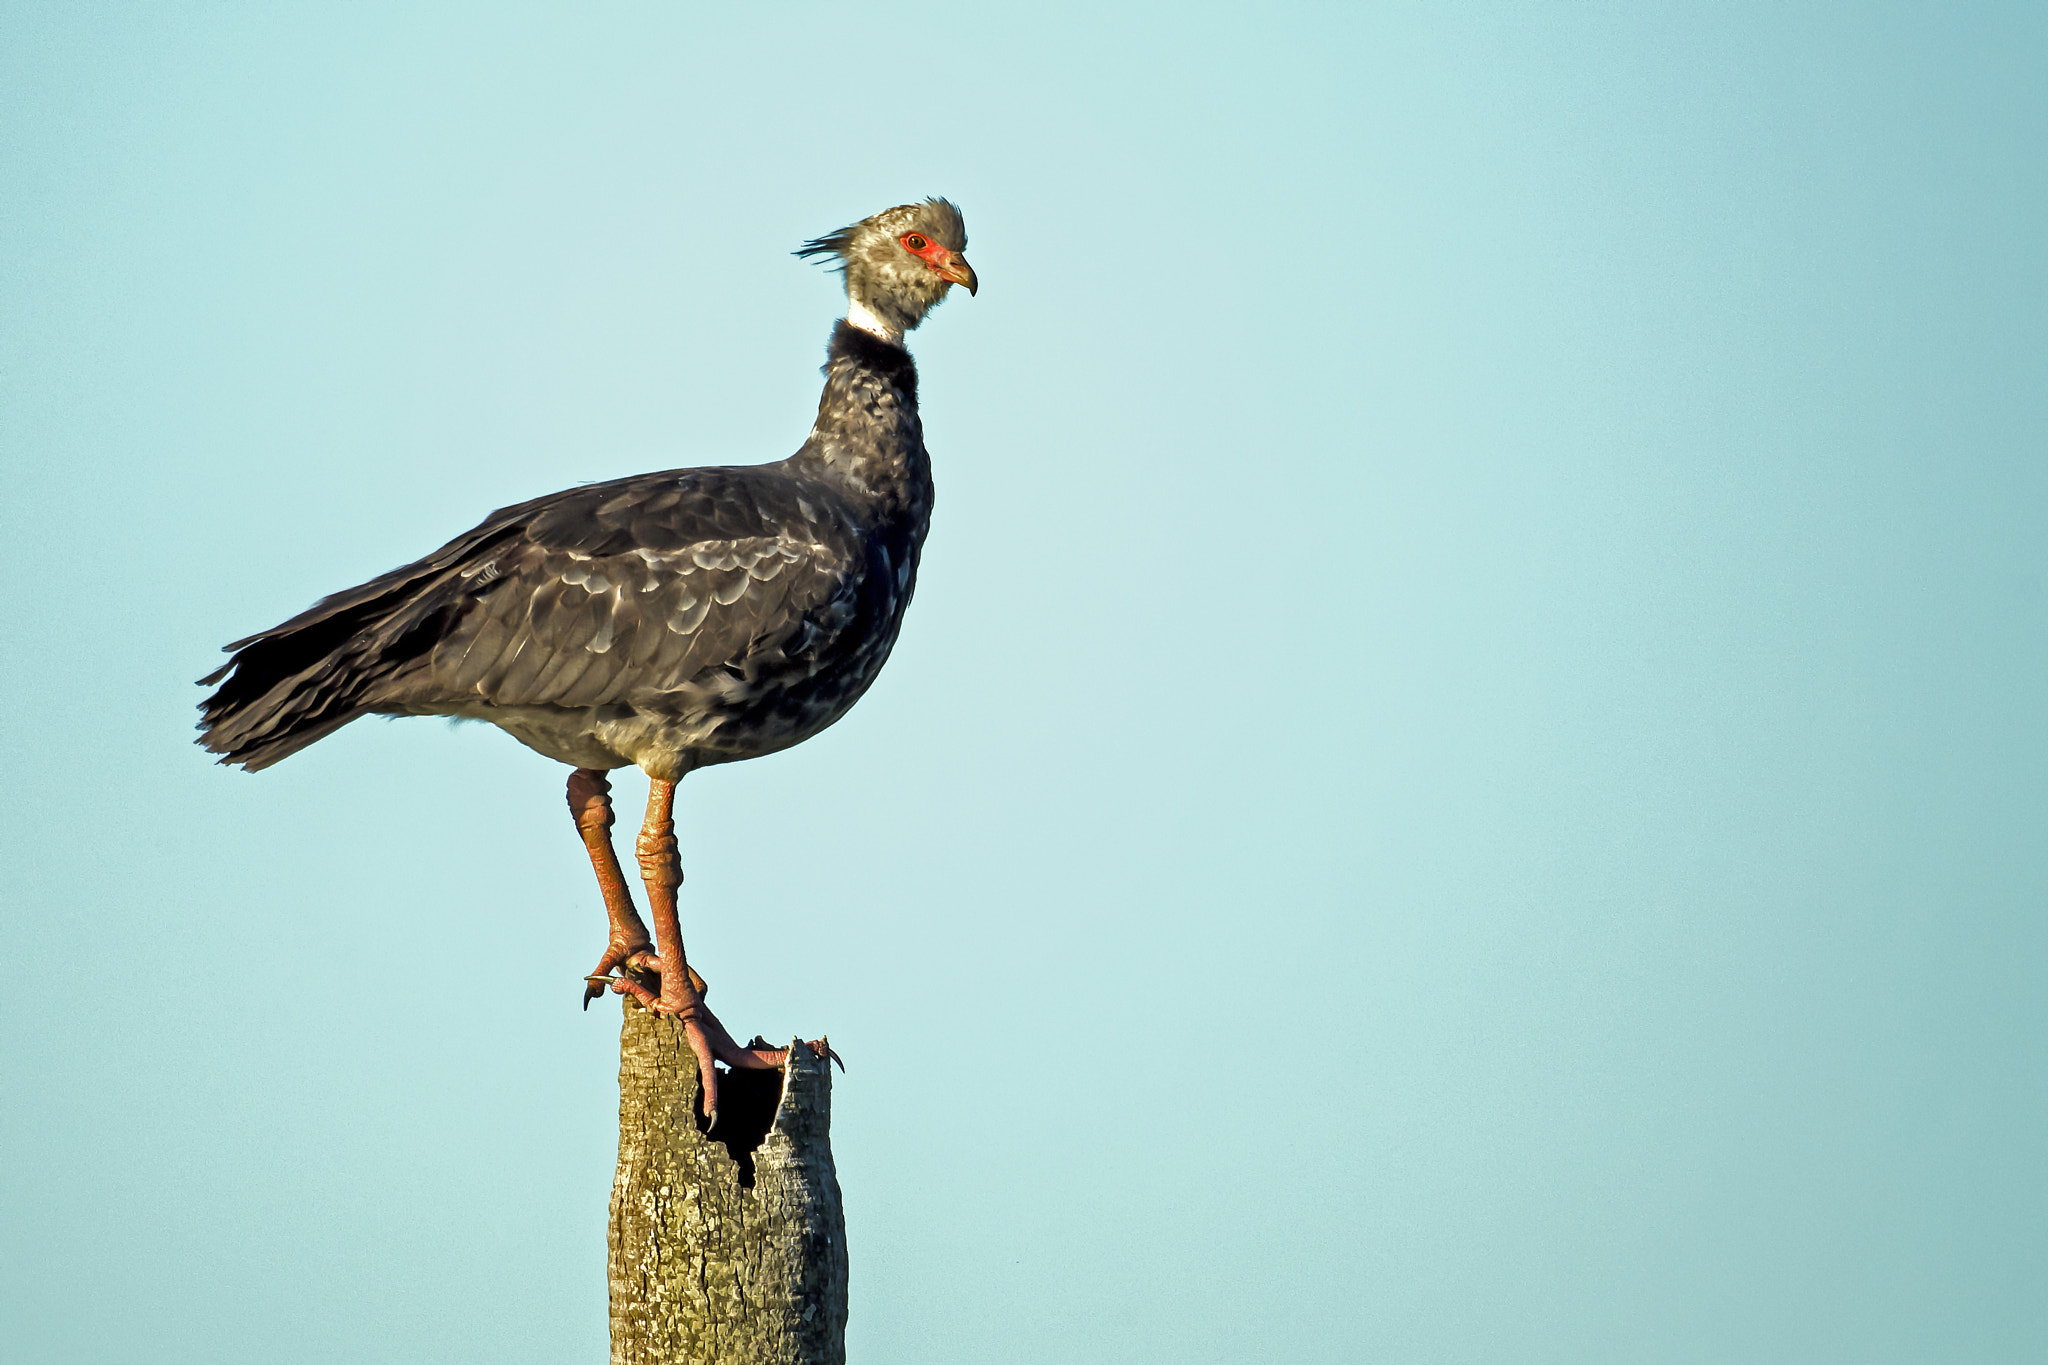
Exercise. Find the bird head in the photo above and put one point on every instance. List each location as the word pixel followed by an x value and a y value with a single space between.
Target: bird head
pixel 898 264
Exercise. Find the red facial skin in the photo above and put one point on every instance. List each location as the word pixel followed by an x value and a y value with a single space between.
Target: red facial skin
pixel 945 263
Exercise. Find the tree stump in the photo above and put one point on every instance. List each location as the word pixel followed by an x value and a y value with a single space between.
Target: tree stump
pixel 726 1250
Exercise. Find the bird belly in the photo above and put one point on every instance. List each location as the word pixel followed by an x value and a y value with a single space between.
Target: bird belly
pixel 567 735
pixel 663 746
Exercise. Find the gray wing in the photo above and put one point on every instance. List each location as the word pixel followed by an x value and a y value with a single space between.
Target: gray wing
pixel 622 592
pixel 644 595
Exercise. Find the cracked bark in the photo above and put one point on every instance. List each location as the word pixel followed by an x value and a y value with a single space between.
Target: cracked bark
pixel 722 1254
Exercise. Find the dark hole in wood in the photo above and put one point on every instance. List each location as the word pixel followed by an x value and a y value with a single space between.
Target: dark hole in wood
pixel 747 1101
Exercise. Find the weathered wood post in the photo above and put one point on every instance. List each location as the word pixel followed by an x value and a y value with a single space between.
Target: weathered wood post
pixel 727 1250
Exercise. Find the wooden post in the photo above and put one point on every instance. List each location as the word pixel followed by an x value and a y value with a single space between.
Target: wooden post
pixel 724 1252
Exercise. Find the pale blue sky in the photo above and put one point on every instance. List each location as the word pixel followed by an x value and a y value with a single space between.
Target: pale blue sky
pixel 1465 783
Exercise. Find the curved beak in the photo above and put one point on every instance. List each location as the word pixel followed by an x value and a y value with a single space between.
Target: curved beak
pixel 953 267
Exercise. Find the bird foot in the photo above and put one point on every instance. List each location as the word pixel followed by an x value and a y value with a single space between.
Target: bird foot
pixel 639 974
pixel 712 1044
pixel 821 1048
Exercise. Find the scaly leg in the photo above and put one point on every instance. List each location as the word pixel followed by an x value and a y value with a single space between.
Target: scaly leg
pixel 630 950
pixel 682 990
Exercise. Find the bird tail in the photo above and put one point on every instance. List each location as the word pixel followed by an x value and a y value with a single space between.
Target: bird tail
pixel 303 680
pixel 286 688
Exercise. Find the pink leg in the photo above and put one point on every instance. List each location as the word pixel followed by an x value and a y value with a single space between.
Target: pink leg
pixel 682 990
pixel 630 950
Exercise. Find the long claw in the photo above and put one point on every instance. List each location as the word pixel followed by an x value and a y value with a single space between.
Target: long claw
pixel 622 954
pixel 713 1044
pixel 707 1073
pixel 625 983
pixel 822 1047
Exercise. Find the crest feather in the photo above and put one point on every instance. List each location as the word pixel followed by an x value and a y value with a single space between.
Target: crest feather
pixel 937 216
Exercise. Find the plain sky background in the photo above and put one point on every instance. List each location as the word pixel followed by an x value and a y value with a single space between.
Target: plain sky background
pixel 1465 783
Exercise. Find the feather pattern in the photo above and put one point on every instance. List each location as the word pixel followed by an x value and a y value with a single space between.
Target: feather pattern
pixel 668 620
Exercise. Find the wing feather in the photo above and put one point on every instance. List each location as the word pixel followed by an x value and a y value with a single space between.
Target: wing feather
pixel 632 592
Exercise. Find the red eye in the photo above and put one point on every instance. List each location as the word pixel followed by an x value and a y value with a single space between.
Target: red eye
pixel 915 242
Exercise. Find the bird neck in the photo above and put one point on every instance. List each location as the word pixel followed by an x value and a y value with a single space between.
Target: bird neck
pixel 867 436
pixel 858 314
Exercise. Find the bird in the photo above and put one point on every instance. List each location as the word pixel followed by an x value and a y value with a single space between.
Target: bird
pixel 668 621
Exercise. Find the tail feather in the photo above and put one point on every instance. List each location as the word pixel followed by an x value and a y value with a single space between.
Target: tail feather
pixel 298 682
pixel 286 688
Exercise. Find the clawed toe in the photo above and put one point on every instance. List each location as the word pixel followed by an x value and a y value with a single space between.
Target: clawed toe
pixel 627 982
pixel 647 963
pixel 639 975
pixel 630 958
